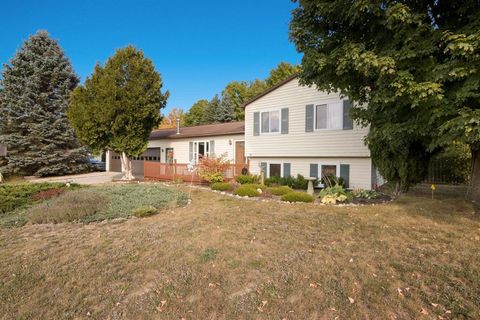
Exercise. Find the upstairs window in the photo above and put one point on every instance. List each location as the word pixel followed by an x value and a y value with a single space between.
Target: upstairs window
pixel 329 116
pixel 271 122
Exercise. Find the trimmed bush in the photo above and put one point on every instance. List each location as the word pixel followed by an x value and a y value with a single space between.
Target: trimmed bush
pixel 247 190
pixel 279 191
pixel 366 194
pixel 144 211
pixel 256 186
pixel 297 197
pixel 243 179
pixel 221 186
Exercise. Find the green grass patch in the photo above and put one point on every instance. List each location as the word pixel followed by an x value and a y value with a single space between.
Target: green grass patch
pixel 208 255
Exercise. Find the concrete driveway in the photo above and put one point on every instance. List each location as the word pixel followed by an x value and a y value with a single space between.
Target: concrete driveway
pixel 86 178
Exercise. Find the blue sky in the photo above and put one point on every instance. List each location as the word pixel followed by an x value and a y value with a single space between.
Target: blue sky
pixel 197 46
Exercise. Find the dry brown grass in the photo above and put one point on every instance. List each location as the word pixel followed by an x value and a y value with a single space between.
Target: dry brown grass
pixel 222 258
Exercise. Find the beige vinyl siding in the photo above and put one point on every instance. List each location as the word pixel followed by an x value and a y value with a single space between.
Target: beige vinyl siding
pixel 181 146
pixel 360 168
pixel 298 143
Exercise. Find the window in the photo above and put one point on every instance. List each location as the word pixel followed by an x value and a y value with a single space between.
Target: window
pixel 329 116
pixel 201 149
pixel 329 170
pixel 271 121
pixel 275 170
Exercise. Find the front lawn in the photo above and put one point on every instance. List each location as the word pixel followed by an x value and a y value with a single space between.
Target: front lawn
pixel 224 258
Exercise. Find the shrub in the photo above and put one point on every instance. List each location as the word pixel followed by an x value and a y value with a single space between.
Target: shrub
pixel 256 186
pixel 47 194
pixel 144 211
pixel 70 206
pixel 221 186
pixel 279 191
pixel 295 183
pixel 332 195
pixel 366 194
pixel 21 195
pixel 297 197
pixel 243 179
pixel 247 191
pixel 212 169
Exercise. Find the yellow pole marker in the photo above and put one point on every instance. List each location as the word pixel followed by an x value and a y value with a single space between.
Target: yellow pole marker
pixel 433 189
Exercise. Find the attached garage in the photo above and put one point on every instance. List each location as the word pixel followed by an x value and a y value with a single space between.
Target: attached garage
pixel 115 163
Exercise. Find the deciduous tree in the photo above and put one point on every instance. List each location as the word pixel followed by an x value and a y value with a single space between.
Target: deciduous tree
pixel 414 66
pixel 194 116
pixel 119 105
pixel 170 120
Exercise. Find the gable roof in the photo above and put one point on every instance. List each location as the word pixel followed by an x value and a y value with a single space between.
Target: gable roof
pixel 275 87
pixel 216 129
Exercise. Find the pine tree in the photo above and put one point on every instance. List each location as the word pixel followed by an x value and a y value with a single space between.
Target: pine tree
pixel 226 112
pixel 209 116
pixel 33 105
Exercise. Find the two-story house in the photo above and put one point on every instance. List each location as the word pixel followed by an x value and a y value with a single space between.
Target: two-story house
pixel 293 129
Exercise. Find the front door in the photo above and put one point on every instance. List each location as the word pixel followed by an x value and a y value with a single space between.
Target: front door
pixel 240 160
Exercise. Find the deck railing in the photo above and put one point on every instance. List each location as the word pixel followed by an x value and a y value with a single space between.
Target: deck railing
pixel 179 171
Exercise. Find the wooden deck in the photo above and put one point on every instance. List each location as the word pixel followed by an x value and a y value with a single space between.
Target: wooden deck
pixel 179 171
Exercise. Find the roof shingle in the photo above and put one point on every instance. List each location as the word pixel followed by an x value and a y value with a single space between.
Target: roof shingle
pixel 217 129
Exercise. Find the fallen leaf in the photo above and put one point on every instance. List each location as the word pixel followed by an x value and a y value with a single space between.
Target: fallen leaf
pixel 424 311
pixel 351 300
pixel 435 304
pixel 400 292
pixel 313 285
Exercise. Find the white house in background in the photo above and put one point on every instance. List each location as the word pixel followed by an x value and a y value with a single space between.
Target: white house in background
pixel 181 145
pixel 293 129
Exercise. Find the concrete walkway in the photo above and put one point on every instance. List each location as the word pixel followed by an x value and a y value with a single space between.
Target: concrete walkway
pixel 87 178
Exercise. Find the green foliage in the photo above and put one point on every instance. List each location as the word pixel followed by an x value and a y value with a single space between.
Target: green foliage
pixel 279 191
pixel 123 199
pixel 221 186
pixel 332 180
pixel 281 72
pixel 119 104
pixel 256 186
pixel 299 182
pixel 416 75
pixel 212 169
pixel 243 179
pixel 247 190
pixel 208 255
pixel 33 105
pixel 297 197
pixel 194 116
pixel 451 165
pixel 144 211
pixel 68 207
pixel 366 194
pixel 332 195
pixel 21 195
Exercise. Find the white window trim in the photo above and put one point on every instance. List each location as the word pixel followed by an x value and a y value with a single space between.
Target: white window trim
pixel 279 110
pixel 195 149
pixel 268 168
pixel 319 173
pixel 315 115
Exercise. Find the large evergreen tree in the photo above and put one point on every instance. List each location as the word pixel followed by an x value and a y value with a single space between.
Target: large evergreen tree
pixel 413 65
pixel 119 105
pixel 33 104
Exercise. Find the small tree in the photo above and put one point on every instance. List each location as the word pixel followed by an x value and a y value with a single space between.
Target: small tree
pixel 33 105
pixel 212 169
pixel 119 105
pixel 170 120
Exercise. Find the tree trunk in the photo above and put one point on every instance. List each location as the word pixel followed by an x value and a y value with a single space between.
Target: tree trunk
pixel 474 194
pixel 127 167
